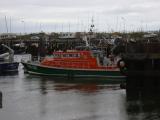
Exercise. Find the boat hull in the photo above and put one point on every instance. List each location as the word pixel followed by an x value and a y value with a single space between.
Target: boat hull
pixel 8 67
pixel 53 71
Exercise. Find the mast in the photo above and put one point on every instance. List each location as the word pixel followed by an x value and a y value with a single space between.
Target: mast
pixel 92 26
pixel 91 30
pixel 6 24
pixel 10 25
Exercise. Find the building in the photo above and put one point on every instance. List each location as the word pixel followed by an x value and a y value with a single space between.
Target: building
pixel 67 35
pixel 7 36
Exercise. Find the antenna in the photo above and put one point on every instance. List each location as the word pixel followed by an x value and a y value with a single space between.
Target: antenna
pixel 92 25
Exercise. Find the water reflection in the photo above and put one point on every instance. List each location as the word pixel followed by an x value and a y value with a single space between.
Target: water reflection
pixel 143 109
pixel 92 101
pixel 143 106
pixel 13 73
pixel 66 85
pixel 88 88
pixel 143 99
pixel 80 101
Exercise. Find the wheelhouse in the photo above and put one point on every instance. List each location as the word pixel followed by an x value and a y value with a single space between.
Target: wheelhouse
pixel 72 54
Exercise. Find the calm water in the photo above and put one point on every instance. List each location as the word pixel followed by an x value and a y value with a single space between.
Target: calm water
pixel 29 97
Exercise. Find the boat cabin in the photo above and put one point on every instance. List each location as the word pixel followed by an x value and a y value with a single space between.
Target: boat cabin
pixel 71 59
pixel 74 59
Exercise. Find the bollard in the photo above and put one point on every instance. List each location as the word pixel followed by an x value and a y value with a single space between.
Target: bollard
pixel 0 99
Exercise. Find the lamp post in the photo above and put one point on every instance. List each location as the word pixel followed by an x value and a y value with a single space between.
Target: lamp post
pixel 23 26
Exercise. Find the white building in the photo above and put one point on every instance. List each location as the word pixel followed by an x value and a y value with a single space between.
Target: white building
pixel 65 35
pixel 7 36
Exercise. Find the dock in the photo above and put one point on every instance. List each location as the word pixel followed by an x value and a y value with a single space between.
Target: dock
pixel 0 99
pixel 142 65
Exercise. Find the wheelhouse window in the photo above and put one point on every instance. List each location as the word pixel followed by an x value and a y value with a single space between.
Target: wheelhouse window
pixel 67 55
pixel 71 55
pixel 57 56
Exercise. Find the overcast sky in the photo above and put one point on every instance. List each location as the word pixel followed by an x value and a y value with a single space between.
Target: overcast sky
pixel 76 15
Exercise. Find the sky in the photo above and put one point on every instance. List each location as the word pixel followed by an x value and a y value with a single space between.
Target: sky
pixel 29 16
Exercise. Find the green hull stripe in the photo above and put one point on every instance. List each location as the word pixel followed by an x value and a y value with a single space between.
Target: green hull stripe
pixel 31 72
pixel 35 64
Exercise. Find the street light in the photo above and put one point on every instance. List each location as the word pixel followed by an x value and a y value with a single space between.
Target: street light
pixel 23 26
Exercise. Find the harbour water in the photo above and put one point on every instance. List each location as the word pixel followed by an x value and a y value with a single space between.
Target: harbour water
pixel 29 97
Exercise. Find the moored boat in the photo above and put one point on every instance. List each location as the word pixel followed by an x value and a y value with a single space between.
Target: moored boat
pixel 8 67
pixel 73 63
pixel 7 63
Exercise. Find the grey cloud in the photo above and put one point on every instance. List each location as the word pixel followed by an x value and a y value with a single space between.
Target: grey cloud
pixel 64 11
pixel 131 9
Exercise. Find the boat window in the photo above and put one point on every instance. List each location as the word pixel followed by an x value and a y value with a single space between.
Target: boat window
pixel 70 55
pixel 56 55
pixel 64 55
pixel 76 55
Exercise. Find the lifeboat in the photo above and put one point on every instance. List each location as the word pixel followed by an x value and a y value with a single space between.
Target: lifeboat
pixel 74 63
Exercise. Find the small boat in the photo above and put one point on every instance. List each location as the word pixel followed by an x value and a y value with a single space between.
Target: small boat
pixel 73 63
pixel 7 64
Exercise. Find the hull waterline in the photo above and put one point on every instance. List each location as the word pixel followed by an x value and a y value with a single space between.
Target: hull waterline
pixel 8 68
